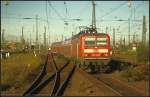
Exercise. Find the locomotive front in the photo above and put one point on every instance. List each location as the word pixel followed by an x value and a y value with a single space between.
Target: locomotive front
pixel 96 50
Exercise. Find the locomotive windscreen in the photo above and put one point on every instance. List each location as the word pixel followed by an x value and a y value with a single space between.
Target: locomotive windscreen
pixel 94 41
pixel 101 41
pixel 89 41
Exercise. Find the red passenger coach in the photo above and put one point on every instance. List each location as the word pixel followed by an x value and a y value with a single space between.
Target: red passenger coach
pixel 92 49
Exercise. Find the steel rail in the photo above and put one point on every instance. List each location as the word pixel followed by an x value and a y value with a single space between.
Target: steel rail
pixel 56 84
pixel 45 82
pixel 124 84
pixel 111 88
pixel 102 83
pixel 38 78
pixel 57 89
pixel 63 86
pixel 57 78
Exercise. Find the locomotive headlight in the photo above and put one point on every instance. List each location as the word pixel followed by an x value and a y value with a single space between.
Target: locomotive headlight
pixel 88 50
pixel 103 50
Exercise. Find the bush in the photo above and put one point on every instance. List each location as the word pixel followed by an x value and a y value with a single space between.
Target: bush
pixel 126 73
pixel 137 75
pixel 133 74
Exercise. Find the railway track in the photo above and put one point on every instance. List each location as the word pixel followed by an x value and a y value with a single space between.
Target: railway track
pixel 108 91
pixel 116 86
pixel 122 88
pixel 51 84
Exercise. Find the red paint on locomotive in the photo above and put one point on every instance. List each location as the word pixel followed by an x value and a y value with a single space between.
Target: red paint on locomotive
pixel 96 46
pixel 87 46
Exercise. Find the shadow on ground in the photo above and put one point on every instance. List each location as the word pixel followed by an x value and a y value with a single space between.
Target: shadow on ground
pixel 118 65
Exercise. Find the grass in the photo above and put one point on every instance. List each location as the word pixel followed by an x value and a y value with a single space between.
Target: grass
pixel 134 73
pixel 130 56
pixel 140 60
pixel 142 53
pixel 19 70
pixel 140 56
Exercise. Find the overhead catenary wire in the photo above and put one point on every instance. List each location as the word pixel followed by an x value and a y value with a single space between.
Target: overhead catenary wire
pixel 123 23
pixel 56 11
pixel 114 9
pixel 82 11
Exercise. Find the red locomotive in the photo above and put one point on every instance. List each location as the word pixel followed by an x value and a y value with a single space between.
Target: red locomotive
pixel 91 49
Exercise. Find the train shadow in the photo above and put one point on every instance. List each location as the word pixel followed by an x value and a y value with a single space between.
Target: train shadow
pixel 113 65
pixel 117 65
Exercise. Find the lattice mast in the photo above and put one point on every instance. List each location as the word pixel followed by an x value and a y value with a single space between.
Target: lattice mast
pixel 93 17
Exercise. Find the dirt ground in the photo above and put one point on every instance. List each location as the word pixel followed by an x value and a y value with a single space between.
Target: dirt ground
pixel 82 84
pixel 142 85
pixel 22 75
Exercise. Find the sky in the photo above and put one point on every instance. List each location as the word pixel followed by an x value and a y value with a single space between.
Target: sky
pixel 107 12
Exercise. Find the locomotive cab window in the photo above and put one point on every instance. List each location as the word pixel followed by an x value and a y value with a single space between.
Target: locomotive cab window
pixel 89 41
pixel 101 41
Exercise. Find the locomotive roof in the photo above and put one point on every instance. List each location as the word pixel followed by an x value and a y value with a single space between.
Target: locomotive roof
pixel 90 34
pixel 77 35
